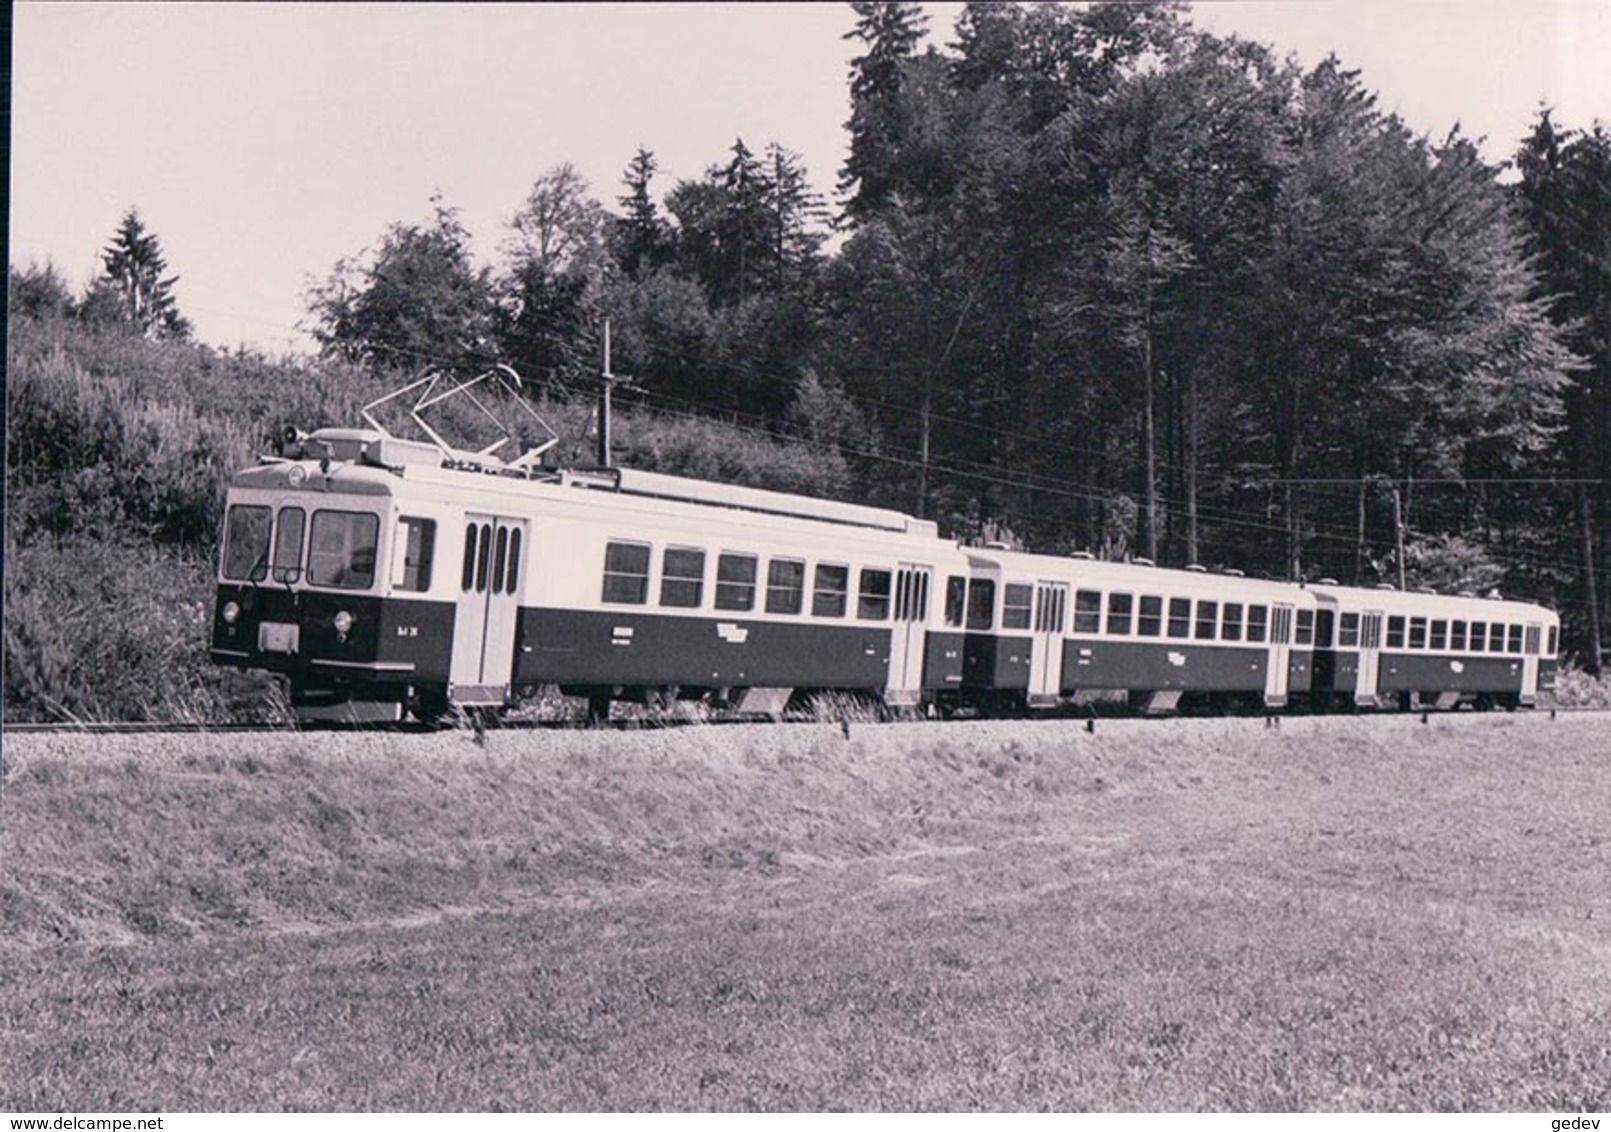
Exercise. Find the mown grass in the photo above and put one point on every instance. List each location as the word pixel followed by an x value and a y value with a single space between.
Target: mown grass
pixel 1338 913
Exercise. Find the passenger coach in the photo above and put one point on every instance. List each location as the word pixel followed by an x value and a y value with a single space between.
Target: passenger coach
pixel 1052 628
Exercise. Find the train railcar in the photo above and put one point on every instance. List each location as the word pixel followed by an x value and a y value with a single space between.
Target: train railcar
pixel 1386 648
pixel 1048 629
pixel 384 576
pixel 380 576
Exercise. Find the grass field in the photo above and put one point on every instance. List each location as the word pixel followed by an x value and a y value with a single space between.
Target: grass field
pixel 1339 913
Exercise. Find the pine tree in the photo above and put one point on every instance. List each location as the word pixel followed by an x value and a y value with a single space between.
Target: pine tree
pixel 133 289
pixel 891 31
pixel 640 236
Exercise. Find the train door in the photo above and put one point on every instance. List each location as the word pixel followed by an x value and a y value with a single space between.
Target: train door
pixel 912 586
pixel 1275 679
pixel 1046 646
pixel 484 629
pixel 1370 658
pixel 1529 688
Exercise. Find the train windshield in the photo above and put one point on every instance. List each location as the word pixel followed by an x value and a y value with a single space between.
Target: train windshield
pixel 342 549
pixel 246 543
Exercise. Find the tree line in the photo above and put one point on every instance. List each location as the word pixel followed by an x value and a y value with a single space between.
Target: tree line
pixel 1094 279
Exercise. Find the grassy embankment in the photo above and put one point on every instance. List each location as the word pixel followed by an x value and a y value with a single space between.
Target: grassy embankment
pixel 1338 913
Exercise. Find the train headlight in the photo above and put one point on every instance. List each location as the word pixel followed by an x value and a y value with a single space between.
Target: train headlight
pixel 297 475
pixel 343 622
pixel 231 613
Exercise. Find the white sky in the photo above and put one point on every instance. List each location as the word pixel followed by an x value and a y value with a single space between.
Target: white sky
pixel 263 142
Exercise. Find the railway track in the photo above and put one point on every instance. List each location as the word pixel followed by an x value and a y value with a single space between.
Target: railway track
pixel 627 724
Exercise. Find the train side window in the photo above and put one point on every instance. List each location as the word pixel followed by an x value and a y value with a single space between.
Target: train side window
pixel 472 536
pixel 1016 601
pixel 483 559
pixel 1258 620
pixel 1207 619
pixel 1325 624
pixel 500 560
pixel 1554 639
pixel 1395 632
pixel 1417 632
pixel 830 591
pixel 1496 637
pixel 1306 628
pixel 413 554
pixel 246 543
pixel 1479 634
pixel 626 573
pixel 1348 631
pixel 1180 617
pixel 1087 611
pixel 1457 636
pixel 512 578
pixel 1120 607
pixel 873 598
pixel 981 604
pixel 1231 630
pixel 1150 621
pixel 682 577
pixel 1439 638
pixel 341 549
pixel 1515 638
pixel 735 581
pixel 956 601
pixel 288 544
pixel 785 585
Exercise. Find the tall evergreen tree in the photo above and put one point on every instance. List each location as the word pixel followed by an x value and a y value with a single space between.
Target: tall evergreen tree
pixel 640 235
pixel 132 287
pixel 890 31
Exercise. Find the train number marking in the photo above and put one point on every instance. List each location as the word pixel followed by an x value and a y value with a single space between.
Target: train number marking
pixel 1456 666
pixel 1178 659
pixel 622 635
pixel 408 630
pixel 732 633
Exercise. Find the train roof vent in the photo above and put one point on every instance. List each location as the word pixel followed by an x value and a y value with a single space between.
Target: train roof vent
pixel 1468 593
pixel 1328 582
pixel 1142 562
pixel 1234 574
pixel 1386 586
pixel 1195 568
pixel 996 544
pixel 1426 590
pixel 1083 556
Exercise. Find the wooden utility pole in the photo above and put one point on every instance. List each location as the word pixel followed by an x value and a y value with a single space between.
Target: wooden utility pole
pixel 1398 534
pixel 607 383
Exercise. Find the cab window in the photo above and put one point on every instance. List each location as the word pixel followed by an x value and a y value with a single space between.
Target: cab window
pixel 341 549
pixel 246 543
pixel 956 600
pixel 288 544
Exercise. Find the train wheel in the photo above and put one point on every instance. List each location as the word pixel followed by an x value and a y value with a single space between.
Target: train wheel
pixel 431 708
pixel 598 708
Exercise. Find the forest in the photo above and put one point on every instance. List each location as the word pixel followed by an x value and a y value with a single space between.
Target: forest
pixel 1091 279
